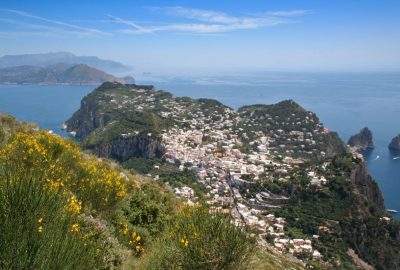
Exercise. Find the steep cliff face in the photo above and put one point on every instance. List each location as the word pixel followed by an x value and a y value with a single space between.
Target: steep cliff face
pixel 395 143
pixel 366 190
pixel 123 149
pixel 84 121
pixel 93 124
pixel 363 140
pixel 374 238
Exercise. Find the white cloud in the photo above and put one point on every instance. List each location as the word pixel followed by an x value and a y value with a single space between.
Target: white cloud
pixel 209 21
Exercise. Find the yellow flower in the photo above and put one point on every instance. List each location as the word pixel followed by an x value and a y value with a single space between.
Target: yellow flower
pixel 185 242
pixel 138 238
pixel 125 230
pixel 75 228
pixel 40 220
pixel 74 206
pixel 40 229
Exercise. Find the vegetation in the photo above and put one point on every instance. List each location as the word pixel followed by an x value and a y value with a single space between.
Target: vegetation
pixel 199 240
pixel 167 173
pixel 64 209
pixel 348 220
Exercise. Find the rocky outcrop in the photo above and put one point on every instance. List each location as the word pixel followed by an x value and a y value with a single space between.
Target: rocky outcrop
pixel 123 149
pixel 84 121
pixel 395 143
pixel 88 117
pixel 363 140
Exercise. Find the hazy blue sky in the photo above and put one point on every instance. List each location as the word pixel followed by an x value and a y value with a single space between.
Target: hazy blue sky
pixel 355 35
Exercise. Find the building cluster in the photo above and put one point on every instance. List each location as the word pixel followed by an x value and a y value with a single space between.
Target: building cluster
pixel 229 151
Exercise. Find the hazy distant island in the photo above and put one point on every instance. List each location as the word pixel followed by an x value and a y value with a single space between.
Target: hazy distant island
pixel 60 73
pixel 48 59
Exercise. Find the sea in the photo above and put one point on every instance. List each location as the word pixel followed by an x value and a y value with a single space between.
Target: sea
pixel 344 102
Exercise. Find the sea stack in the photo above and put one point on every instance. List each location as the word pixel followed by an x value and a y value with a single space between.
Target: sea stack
pixel 363 140
pixel 395 143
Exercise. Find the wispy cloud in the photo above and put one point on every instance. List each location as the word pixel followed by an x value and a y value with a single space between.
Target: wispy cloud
pixel 209 21
pixel 54 26
pixel 289 13
pixel 181 20
pixel 138 28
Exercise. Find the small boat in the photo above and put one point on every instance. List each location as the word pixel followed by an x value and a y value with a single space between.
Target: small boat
pixel 392 211
pixel 396 158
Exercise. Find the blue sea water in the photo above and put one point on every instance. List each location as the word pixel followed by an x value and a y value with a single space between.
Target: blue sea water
pixel 344 103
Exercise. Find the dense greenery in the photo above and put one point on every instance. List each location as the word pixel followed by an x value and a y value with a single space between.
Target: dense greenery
pixel 167 173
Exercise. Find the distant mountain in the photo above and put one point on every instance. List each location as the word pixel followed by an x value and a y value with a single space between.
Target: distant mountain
pixel 57 74
pixel 46 59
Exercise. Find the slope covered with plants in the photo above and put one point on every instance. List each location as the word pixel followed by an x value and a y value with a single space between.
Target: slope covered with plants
pixel 64 209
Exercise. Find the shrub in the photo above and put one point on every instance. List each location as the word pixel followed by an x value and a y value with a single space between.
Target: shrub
pixel 36 229
pixel 200 240
pixel 61 165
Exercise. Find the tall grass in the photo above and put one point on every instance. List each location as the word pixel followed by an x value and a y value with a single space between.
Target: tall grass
pixel 200 240
pixel 36 231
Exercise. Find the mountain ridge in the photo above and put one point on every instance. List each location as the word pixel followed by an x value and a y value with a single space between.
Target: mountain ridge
pixel 46 59
pixel 59 73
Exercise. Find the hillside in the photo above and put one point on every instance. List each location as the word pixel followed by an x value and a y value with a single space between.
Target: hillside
pixel 47 59
pixel 65 209
pixel 274 168
pixel 57 74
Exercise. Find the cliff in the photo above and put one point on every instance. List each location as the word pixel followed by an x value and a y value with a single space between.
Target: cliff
pixel 395 143
pixel 122 149
pixel 362 140
pixel 375 239
pixel 366 190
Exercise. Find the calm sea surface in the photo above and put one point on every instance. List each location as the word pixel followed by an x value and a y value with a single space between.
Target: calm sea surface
pixel 344 103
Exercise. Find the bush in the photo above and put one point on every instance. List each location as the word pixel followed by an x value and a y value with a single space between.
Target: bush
pixel 36 229
pixel 62 165
pixel 200 240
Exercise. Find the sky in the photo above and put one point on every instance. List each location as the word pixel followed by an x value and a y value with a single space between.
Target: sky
pixel 279 35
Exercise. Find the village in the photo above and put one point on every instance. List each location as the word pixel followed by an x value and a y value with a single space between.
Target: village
pixel 210 150
pixel 231 151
